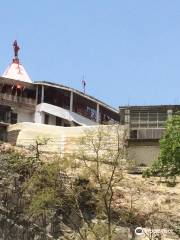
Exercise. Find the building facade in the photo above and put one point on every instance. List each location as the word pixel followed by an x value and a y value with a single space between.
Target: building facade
pixel 41 102
pixel 146 125
pixel 22 100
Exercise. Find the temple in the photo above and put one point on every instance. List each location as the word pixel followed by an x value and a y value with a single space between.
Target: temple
pixel 23 100
pixel 29 109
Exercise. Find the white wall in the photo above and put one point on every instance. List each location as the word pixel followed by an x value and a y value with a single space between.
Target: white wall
pixel 24 116
pixel 62 139
pixel 39 117
pixel 60 112
pixel 143 154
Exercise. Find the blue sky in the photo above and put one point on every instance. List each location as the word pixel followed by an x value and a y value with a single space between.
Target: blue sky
pixel 129 50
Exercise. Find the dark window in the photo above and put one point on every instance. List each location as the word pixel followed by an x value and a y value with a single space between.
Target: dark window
pixel 133 134
pixel 46 119
pixel 84 107
pixel 57 97
pixel 2 134
pixel 29 93
pixel 58 121
pixel 107 116
pixel 2 116
pixel 39 94
pixel 13 118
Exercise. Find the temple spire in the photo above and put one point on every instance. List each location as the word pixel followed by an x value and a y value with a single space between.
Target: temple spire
pixel 16 50
pixel 16 70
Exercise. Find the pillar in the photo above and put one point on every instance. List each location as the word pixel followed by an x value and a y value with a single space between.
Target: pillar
pixel 97 113
pixel 42 94
pixel 127 116
pixel 71 102
pixel 169 113
pixel 37 94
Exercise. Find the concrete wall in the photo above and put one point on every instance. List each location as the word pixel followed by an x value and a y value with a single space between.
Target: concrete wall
pixel 24 116
pixel 61 139
pixel 61 113
pixel 39 117
pixel 64 139
pixel 12 136
pixel 145 154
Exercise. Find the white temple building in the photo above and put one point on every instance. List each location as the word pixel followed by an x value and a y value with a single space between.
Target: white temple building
pixel 22 100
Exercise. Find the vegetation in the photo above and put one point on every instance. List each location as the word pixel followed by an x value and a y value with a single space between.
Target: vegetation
pixel 40 193
pixel 168 164
pixel 78 196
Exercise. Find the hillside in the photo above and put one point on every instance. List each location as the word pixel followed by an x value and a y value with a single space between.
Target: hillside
pixel 37 199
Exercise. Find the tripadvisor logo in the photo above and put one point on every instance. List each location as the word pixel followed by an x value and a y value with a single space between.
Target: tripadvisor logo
pixel 139 231
pixel 156 232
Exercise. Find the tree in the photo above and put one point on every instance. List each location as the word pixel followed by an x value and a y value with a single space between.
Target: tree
pixel 79 188
pixel 18 166
pixel 102 151
pixel 168 163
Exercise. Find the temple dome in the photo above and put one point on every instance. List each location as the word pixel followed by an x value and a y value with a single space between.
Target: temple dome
pixel 16 71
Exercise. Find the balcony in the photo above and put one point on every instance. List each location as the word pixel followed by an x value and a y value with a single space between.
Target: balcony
pixel 17 101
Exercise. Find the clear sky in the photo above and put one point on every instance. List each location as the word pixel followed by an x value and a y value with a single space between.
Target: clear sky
pixel 129 50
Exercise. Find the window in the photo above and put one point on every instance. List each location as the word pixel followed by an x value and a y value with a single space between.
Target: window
pixel 133 134
pixel 46 119
pixel 58 121
pixel 13 118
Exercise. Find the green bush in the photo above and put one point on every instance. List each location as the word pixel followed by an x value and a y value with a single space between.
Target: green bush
pixel 168 163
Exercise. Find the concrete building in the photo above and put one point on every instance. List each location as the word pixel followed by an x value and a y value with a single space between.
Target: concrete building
pixel 24 102
pixel 146 125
